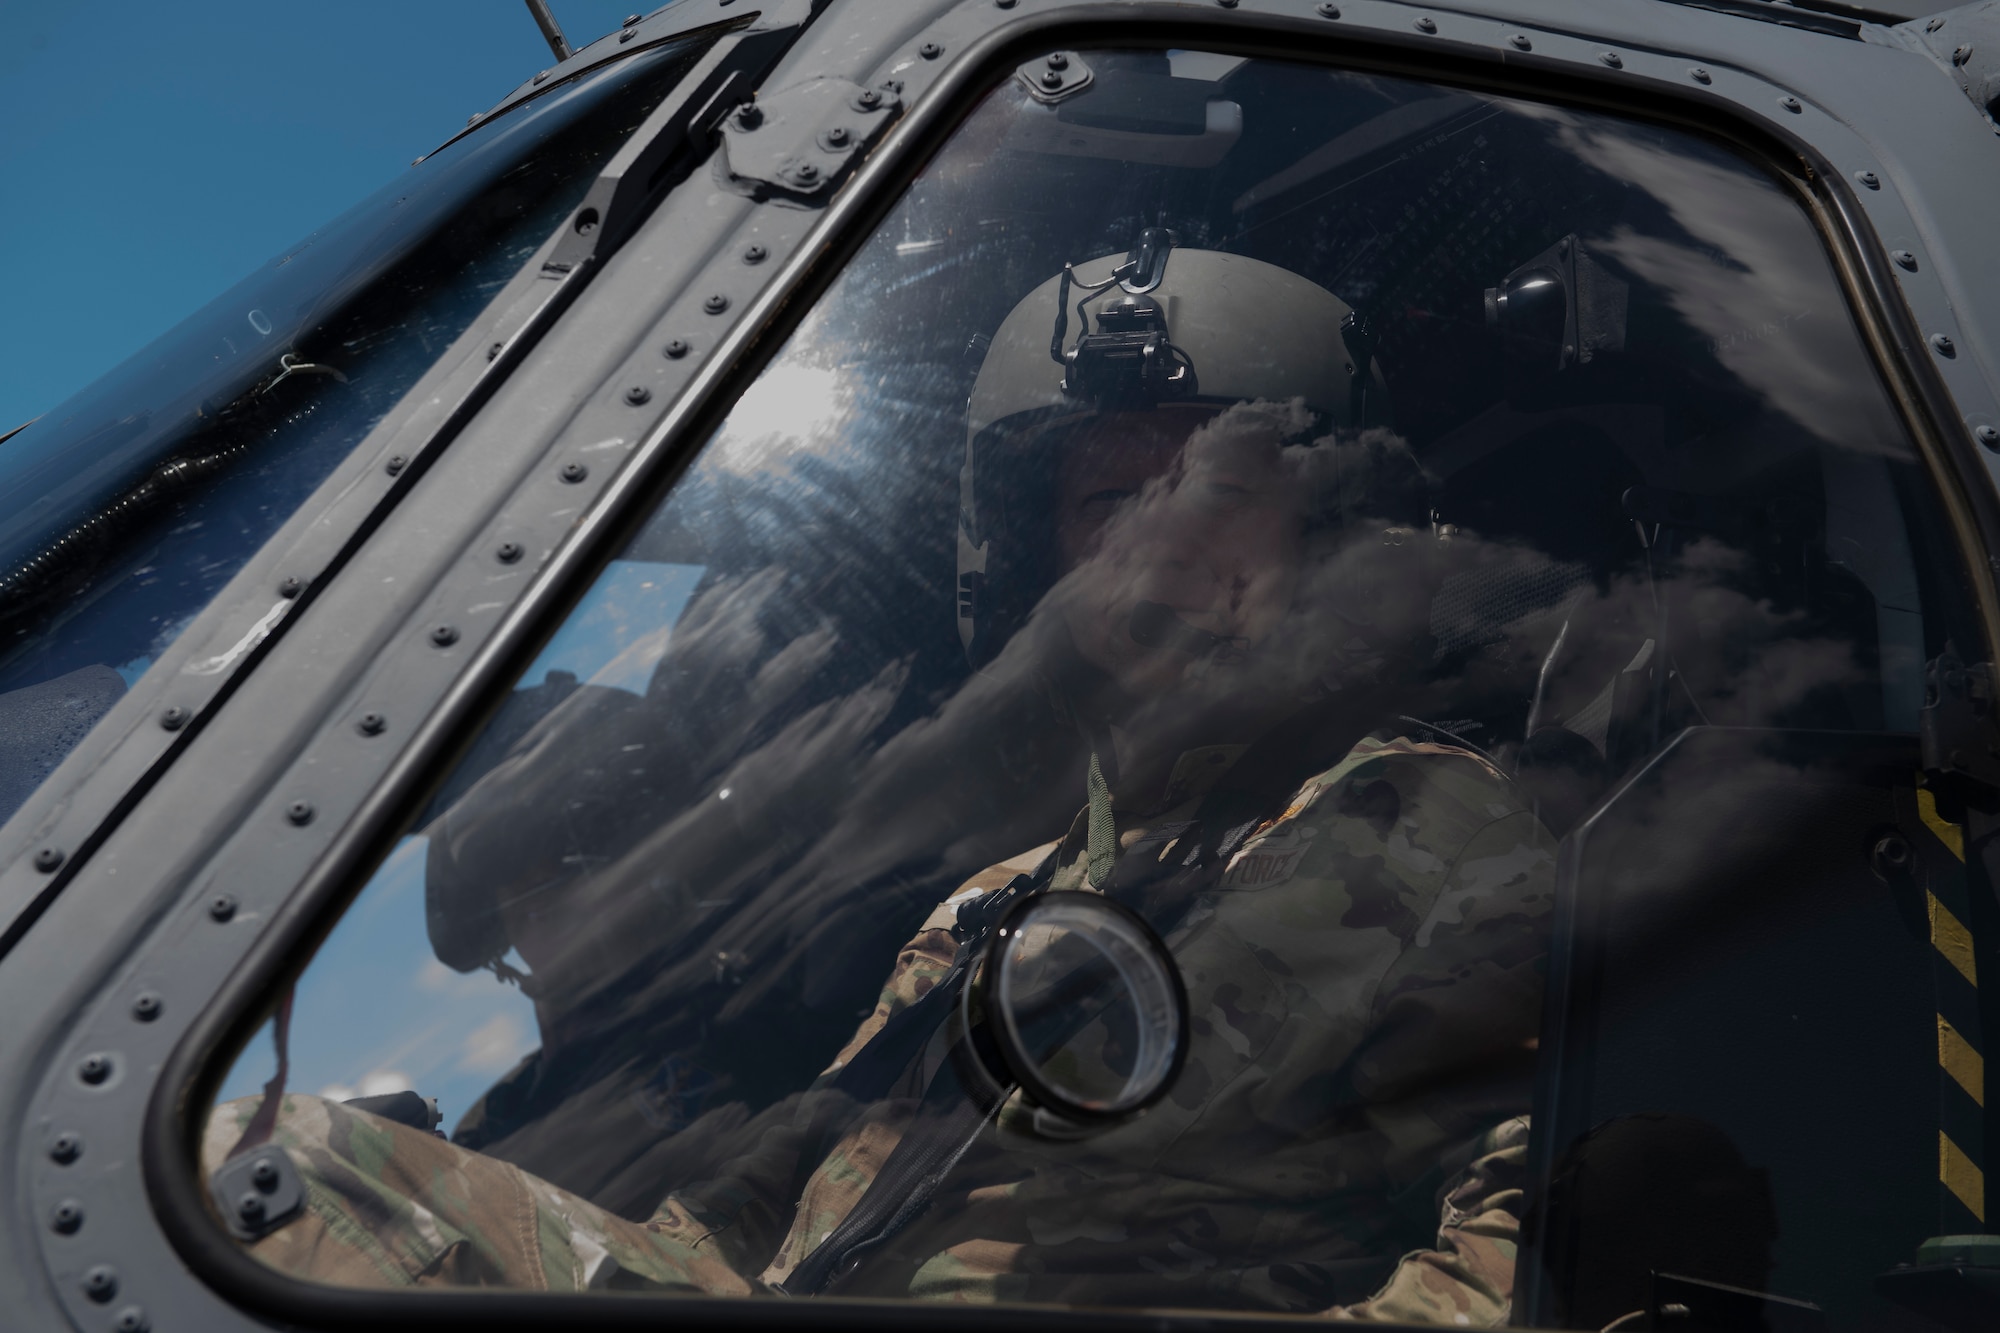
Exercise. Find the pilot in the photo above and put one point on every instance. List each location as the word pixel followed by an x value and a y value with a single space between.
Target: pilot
pixel 1173 519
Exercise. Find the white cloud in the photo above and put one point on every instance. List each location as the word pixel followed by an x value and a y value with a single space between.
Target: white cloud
pixel 435 978
pixel 632 668
pixel 495 1045
pixel 374 1083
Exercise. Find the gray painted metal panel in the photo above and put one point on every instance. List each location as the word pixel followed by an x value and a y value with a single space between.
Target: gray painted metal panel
pixel 136 917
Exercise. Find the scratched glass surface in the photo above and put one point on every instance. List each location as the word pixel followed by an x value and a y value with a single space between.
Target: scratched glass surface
pixel 1443 564
pixel 124 510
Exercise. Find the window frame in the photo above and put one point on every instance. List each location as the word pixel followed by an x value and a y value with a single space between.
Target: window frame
pixel 984 45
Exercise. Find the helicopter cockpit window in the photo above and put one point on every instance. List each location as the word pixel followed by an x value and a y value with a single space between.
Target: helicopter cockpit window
pixel 1298 693
pixel 126 508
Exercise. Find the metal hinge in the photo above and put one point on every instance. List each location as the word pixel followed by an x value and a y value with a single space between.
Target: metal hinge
pixel 803 138
pixel 1957 721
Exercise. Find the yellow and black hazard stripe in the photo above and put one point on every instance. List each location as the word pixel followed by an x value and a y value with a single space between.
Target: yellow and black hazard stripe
pixel 1960 1039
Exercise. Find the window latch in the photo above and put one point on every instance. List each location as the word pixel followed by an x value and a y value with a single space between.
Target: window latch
pixel 1957 721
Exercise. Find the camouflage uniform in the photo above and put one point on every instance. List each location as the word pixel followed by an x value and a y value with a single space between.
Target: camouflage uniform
pixel 1364 985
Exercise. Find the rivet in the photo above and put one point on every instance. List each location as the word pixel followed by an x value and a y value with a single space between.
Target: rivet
pixel 1427 24
pixel 638 395
pixel 572 473
pixel 444 636
pixel 493 352
pixel 131 1319
pixel 1051 80
pixel 49 860
pixel 472 119
pixel 626 36
pixel 507 552
pixel 65 1148
pixel 250 1207
pixel 146 1006
pixel 930 50
pixel 1943 345
pixel 716 302
pixel 630 19
pixel 1521 42
pixel 300 813
pixel 1226 4
pixel 749 116
pixel 395 464
pixel 1905 258
pixel 66 1217
pixel 675 349
pixel 1988 436
pixel 805 173
pixel 290 588
pixel 1003 4
pixel 1934 25
pixel 1612 58
pixel 264 1174
pixel 100 1283
pixel 836 136
pixel 755 254
pixel 1700 75
pixel 371 724
pixel 1790 103
pixel 173 718
pixel 1869 179
pixel 222 906
pixel 1057 60
pixel 1961 54
pixel 868 99
pixel 1329 10
pixel 541 76
pixel 94 1068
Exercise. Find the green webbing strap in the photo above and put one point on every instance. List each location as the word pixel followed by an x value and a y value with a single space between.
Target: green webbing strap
pixel 1101 848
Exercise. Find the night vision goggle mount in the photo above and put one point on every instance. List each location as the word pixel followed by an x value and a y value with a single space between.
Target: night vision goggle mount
pixel 1128 359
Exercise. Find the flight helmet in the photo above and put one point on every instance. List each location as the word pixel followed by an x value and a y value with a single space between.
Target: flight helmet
pixel 1163 325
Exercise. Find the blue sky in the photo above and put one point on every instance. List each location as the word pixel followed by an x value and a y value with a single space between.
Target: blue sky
pixel 151 154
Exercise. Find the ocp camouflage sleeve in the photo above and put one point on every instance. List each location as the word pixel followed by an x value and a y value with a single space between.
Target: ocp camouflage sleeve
pixel 392 1206
pixel 1365 990
pixel 1466 1278
pixel 1364 987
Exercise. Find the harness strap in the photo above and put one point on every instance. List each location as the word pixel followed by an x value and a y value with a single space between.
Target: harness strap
pixel 265 1118
pixel 1101 846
